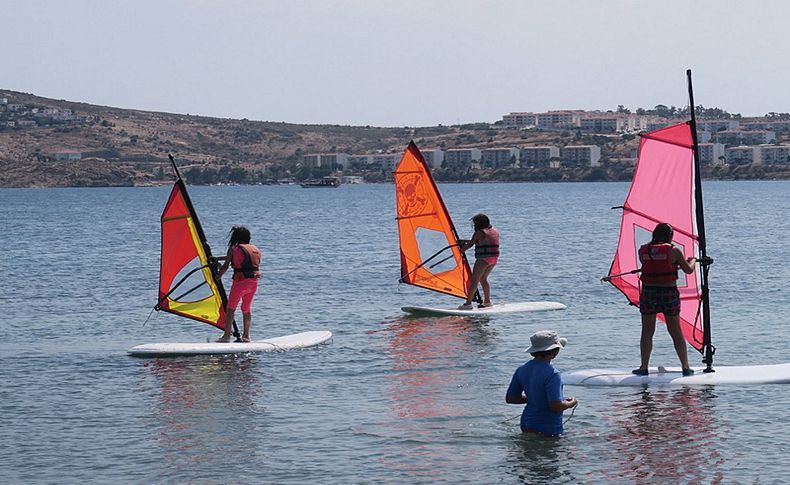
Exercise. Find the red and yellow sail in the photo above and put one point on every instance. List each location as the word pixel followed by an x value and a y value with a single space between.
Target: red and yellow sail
pixel 429 252
pixel 188 283
pixel 663 190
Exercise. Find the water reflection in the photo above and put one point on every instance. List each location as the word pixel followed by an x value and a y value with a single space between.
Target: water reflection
pixel 426 353
pixel 203 403
pixel 666 436
pixel 536 459
pixel 433 361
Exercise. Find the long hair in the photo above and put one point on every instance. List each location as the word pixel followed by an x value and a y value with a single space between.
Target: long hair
pixel 662 234
pixel 238 235
pixel 481 222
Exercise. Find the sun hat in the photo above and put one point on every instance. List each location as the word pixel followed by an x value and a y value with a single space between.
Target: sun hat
pixel 546 340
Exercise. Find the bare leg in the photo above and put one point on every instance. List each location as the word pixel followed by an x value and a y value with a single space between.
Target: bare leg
pixel 646 341
pixel 474 279
pixel 673 327
pixel 229 317
pixel 485 285
pixel 247 323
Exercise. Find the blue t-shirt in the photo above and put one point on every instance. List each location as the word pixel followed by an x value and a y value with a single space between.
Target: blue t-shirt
pixel 542 383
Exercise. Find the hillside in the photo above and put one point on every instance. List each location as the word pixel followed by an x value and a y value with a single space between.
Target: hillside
pixel 121 147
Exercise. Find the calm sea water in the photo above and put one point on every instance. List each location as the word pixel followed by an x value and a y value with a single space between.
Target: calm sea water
pixel 391 399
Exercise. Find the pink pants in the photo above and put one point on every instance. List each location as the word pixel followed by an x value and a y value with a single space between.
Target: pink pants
pixel 244 291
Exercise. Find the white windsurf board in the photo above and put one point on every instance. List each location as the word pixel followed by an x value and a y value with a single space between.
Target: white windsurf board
pixel 524 306
pixel 286 342
pixel 672 376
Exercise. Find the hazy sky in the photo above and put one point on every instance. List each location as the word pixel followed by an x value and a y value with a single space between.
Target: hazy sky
pixel 397 63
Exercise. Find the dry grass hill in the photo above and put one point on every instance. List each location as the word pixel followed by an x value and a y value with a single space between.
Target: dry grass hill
pixel 122 147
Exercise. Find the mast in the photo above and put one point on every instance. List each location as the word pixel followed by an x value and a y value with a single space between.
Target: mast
pixel 704 261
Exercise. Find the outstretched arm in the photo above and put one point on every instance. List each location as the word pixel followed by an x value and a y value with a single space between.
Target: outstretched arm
pixel 687 265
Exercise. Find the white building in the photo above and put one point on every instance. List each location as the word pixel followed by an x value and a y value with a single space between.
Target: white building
pixel 775 154
pixel 387 161
pixel 455 157
pixel 770 125
pixel 360 160
pixel 711 153
pixel 499 157
pixel 718 125
pixel 329 160
pixel 519 119
pixel 742 155
pixel 433 157
pixel 586 155
pixel 558 119
pixel 539 156
pixel 600 124
pixel 742 137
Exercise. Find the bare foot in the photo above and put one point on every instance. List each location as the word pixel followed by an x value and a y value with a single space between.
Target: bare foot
pixel 486 304
pixel 245 339
pixel 223 339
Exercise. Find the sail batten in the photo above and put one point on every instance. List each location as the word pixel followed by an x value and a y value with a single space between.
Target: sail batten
pixel 663 189
pixel 425 230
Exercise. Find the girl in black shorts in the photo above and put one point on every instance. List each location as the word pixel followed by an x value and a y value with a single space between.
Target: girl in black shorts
pixel 659 294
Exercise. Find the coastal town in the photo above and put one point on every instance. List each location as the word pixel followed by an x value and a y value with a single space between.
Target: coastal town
pixel 721 141
pixel 62 138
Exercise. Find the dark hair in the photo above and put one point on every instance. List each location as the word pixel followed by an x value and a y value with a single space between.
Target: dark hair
pixel 544 353
pixel 662 234
pixel 481 222
pixel 238 235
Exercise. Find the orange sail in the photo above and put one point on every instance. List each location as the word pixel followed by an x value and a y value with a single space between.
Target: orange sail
pixel 188 281
pixel 429 252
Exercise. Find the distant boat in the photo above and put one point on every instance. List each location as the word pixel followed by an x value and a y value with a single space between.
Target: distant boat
pixel 324 182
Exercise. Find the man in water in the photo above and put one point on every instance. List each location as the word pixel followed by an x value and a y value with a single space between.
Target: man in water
pixel 539 385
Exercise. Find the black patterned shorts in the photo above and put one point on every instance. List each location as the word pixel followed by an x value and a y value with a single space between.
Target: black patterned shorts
pixel 659 299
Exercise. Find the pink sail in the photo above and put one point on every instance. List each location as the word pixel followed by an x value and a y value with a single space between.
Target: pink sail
pixel 662 191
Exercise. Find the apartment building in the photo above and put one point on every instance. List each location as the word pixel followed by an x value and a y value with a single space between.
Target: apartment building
pixel 558 119
pixel 742 155
pixel 499 157
pixel 775 154
pixel 718 125
pixel 742 137
pixel 434 157
pixel 455 157
pixel 539 156
pixel 360 160
pixel 585 155
pixel 387 161
pixel 329 160
pixel 776 126
pixel 711 153
pixel 519 119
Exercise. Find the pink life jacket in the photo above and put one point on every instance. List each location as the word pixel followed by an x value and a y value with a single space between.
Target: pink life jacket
pixel 489 245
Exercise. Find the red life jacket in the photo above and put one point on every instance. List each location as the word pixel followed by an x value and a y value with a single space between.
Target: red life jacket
pixel 489 245
pixel 249 267
pixel 657 264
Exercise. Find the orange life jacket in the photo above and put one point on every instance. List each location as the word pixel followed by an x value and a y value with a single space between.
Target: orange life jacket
pixel 249 267
pixel 657 264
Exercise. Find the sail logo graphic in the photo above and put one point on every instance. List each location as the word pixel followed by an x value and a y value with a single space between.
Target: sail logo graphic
pixel 412 198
